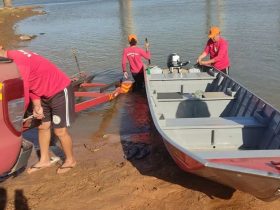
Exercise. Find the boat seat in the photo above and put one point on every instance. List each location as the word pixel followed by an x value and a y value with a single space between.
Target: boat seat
pixel 212 123
pixel 174 77
pixel 205 96
pixel 214 132
pixel 174 95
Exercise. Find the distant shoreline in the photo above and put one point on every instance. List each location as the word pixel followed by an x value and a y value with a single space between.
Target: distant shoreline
pixel 8 19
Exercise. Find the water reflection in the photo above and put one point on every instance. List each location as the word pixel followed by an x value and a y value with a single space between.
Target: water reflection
pixel 216 8
pixel 126 19
pixel 220 13
pixel 135 118
pixel 208 16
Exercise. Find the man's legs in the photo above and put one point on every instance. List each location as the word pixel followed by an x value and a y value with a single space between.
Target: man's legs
pixel 139 80
pixel 44 133
pixel 63 114
pixel 67 146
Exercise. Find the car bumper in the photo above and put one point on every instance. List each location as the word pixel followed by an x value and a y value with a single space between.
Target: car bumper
pixel 25 152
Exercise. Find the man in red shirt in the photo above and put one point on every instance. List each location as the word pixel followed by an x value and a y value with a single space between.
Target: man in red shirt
pixel 134 56
pixel 53 102
pixel 217 47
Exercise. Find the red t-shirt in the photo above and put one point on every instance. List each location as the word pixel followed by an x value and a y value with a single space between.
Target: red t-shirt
pixel 219 52
pixel 41 78
pixel 133 55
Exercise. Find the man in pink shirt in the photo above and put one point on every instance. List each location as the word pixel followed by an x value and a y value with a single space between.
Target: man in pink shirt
pixel 53 103
pixel 134 56
pixel 217 47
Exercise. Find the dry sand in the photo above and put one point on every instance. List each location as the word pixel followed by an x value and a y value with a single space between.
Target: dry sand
pixel 8 18
pixel 103 179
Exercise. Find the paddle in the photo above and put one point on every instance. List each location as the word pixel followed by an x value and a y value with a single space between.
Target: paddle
pixel 146 41
pixel 74 51
pixel 28 118
pixel 76 59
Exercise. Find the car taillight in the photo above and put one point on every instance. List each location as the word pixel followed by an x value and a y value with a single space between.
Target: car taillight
pixel 13 104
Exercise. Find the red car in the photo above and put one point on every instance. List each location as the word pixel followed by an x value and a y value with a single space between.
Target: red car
pixel 14 151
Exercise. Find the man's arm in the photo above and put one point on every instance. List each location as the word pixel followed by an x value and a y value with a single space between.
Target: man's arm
pixel 124 58
pixel 145 53
pixel 203 55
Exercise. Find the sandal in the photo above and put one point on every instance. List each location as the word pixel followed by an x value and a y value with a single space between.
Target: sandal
pixel 64 169
pixel 34 168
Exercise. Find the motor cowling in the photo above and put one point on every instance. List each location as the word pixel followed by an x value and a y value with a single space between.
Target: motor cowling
pixel 173 60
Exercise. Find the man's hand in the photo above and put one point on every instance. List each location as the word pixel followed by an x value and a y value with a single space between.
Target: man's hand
pixel 201 62
pixel 38 112
pixel 125 74
pixel 205 63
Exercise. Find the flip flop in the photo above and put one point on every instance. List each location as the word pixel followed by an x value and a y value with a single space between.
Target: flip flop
pixel 64 169
pixel 34 168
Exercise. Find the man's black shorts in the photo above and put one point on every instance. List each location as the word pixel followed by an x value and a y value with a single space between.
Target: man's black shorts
pixel 60 109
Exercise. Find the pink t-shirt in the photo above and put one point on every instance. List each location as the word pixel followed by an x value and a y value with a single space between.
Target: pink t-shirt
pixel 219 52
pixel 133 55
pixel 41 78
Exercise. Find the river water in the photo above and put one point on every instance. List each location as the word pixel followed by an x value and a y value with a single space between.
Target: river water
pixel 98 29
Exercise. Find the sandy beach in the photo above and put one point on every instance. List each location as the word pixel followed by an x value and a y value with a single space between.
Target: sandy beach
pixel 103 178
pixel 8 18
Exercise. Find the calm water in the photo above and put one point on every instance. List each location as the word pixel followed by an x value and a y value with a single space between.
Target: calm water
pixel 98 29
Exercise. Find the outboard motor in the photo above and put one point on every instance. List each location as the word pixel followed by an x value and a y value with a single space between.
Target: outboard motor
pixel 173 62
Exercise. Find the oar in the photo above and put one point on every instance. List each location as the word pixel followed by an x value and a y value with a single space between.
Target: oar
pixel 28 118
pixel 76 59
pixel 149 61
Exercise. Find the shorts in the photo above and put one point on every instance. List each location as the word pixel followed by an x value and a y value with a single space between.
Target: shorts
pixel 226 70
pixel 60 108
pixel 138 80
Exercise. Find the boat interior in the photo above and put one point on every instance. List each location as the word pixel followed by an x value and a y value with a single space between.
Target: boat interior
pixel 211 114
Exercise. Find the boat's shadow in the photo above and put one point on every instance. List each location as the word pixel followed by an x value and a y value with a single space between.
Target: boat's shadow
pixel 144 148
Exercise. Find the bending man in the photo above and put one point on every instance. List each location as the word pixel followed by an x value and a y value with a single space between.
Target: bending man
pixel 217 47
pixel 53 102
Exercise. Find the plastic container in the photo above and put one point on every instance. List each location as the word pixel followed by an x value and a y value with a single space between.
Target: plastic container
pixel 155 70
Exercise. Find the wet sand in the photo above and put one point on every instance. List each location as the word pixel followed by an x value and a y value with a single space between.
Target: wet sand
pixel 104 179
